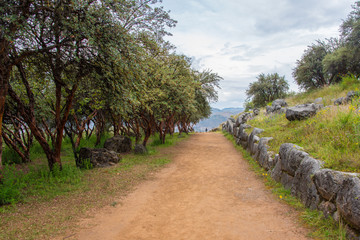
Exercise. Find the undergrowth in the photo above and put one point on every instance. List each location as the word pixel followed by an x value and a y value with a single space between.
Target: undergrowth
pixel 321 227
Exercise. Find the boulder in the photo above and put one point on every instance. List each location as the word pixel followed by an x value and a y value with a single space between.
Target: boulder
pixel 340 101
pixel 303 186
pixel 242 118
pixel 99 157
pixel 350 95
pixel 328 183
pixel 348 201
pixel 276 106
pixel 120 144
pixel 291 157
pixel 140 149
pixel 301 112
pixel 280 102
pixel 256 112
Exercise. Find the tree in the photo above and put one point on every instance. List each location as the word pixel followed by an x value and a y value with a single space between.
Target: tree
pixel 309 71
pixel 267 88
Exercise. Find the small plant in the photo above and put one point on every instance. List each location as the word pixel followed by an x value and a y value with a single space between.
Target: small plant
pixel 85 164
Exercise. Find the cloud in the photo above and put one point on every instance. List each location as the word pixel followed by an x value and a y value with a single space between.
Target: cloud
pixel 239 39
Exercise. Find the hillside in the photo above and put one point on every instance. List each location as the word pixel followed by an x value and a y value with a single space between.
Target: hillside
pixel 332 135
pixel 217 117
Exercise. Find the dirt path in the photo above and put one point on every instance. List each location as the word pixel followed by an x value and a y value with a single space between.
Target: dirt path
pixel 208 192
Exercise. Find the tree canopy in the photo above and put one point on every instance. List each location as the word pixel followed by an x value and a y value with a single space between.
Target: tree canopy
pixel 74 67
pixel 266 89
pixel 325 62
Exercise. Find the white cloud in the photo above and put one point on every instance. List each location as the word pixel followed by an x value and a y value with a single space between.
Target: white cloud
pixel 240 39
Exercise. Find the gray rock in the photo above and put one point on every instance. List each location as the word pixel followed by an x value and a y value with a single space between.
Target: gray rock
pixel 279 102
pixel 301 112
pixel 328 183
pixel 236 132
pixel 232 119
pixel 340 101
pixel 140 149
pixel 263 155
pixel 350 95
pixel 273 109
pixel 328 208
pixel 291 157
pixel 120 144
pixel 348 201
pixel 276 172
pixel 243 118
pixel 230 126
pixel 276 106
pixel 286 180
pixel 100 157
pixel 253 139
pixel 318 100
pixel 303 186
pixel 256 112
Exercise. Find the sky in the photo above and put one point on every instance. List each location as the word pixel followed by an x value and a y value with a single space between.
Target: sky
pixel 240 39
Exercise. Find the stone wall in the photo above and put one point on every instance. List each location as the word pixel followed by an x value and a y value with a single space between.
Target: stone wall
pixel 335 193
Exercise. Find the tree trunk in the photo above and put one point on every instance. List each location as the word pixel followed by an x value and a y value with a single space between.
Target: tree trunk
pixel 5 68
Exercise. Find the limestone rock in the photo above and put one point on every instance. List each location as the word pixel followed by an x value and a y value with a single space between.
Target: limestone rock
pixel 100 157
pixel 276 172
pixel 301 112
pixel 291 157
pixel 328 183
pixel 120 144
pixel 303 186
pixel 140 149
pixel 348 201
pixel 339 101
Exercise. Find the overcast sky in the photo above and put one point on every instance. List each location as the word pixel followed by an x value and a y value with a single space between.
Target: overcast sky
pixel 239 39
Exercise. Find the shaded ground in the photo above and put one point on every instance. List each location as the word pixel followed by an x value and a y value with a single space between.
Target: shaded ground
pixel 208 192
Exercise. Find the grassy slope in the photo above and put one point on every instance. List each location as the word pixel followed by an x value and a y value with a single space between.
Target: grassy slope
pixel 333 135
pixel 50 203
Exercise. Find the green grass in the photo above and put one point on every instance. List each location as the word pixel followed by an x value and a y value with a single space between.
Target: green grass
pixel 321 227
pixel 23 183
pixel 333 135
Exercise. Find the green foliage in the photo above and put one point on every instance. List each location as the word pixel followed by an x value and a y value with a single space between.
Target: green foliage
pixel 10 185
pixel 309 73
pixel 170 140
pixel 267 88
pixel 10 156
pixel 350 82
pixel 85 164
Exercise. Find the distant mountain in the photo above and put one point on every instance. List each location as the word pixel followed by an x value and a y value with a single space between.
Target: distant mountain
pixel 217 117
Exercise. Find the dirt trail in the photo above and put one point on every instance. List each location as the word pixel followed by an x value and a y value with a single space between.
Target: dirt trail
pixel 208 192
